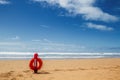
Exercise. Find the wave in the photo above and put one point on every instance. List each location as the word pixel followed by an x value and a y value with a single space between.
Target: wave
pixel 55 55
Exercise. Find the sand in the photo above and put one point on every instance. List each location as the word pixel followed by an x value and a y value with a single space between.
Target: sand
pixel 76 69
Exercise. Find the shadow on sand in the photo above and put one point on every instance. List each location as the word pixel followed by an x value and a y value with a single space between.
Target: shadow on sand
pixel 42 72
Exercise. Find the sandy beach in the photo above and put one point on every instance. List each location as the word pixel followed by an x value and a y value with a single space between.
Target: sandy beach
pixel 76 69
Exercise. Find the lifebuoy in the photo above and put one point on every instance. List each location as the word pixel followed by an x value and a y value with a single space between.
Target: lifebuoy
pixel 32 64
pixel 35 63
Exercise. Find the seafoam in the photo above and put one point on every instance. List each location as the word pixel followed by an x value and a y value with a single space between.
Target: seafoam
pixel 56 55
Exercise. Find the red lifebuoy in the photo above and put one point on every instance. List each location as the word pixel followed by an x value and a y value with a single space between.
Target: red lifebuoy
pixel 35 63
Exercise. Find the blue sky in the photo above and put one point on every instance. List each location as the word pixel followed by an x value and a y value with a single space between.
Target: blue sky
pixel 60 25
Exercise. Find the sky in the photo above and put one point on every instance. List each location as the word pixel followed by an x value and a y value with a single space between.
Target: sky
pixel 59 26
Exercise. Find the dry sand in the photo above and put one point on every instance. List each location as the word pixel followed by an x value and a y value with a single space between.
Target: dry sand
pixel 80 69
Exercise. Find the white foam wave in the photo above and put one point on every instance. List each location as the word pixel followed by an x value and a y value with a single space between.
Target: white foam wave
pixel 50 55
pixel 56 53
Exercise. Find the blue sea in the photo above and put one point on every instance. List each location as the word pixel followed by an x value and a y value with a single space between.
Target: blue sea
pixel 55 55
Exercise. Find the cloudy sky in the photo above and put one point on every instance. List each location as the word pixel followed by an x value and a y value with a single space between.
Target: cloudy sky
pixel 60 25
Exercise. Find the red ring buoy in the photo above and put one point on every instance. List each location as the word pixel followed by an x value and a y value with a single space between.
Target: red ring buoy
pixel 32 66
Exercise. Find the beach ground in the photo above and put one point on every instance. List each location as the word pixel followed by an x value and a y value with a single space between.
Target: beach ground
pixel 71 69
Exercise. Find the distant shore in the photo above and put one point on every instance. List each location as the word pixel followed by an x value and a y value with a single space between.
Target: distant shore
pixel 67 69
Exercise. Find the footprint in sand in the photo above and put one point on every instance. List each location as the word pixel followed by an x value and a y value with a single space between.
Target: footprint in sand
pixel 82 69
pixel 6 75
pixel 43 72
pixel 19 75
pixel 26 71
pixel 70 69
pixel 13 79
pixel 58 70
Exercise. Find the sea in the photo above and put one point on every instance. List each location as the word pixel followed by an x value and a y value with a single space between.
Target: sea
pixel 55 55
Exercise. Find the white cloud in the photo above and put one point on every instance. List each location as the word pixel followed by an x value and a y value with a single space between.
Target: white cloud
pixel 44 45
pixel 36 40
pixel 43 40
pixel 4 2
pixel 46 40
pixel 44 26
pixel 15 38
pixel 48 45
pixel 10 43
pixel 85 8
pixel 12 46
pixel 99 27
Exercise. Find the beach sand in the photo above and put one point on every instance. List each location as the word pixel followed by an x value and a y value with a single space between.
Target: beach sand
pixel 73 69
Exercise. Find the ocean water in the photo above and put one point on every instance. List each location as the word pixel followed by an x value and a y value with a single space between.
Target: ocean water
pixel 55 55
